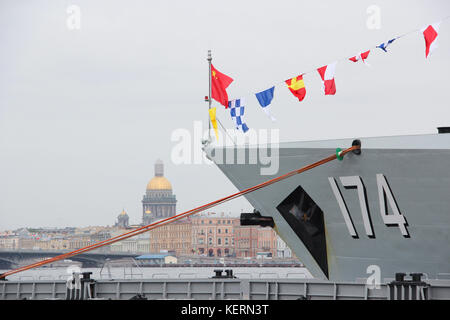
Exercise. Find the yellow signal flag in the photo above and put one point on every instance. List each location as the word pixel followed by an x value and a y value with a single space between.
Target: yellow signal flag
pixel 212 116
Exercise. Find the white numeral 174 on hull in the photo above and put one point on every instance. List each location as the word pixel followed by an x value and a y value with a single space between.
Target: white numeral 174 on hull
pixel 385 197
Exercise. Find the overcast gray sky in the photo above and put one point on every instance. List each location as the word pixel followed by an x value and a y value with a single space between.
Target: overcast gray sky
pixel 85 113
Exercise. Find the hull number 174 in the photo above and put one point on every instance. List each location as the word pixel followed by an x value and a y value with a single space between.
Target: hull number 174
pixel 385 196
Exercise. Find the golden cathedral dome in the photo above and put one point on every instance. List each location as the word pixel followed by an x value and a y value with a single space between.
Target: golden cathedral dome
pixel 159 183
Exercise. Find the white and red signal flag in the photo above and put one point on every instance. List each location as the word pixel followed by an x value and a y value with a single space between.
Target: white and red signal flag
pixel 362 56
pixel 327 75
pixel 430 34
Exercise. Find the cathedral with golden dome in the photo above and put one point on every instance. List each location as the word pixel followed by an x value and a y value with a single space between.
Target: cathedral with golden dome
pixel 122 220
pixel 158 201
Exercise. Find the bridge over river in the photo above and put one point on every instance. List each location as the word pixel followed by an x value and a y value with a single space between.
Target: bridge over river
pixel 15 258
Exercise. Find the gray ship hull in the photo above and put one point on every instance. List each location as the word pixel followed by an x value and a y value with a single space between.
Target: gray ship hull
pixel 371 215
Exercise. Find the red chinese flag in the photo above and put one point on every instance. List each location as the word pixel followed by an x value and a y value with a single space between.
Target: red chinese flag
pixel 219 84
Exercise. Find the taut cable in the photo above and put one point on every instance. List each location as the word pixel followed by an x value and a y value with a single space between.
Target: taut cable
pixel 185 214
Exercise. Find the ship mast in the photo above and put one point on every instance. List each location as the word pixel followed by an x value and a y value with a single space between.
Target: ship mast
pixel 209 94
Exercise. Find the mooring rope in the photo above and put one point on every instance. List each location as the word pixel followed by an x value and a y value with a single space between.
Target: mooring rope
pixel 338 155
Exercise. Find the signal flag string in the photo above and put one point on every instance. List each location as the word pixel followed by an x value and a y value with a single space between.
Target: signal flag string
pixel 343 59
pixel 338 155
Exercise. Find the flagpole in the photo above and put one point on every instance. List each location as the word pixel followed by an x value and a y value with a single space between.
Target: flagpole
pixel 209 94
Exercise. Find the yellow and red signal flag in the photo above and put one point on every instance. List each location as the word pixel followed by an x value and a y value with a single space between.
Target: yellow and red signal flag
pixel 212 116
pixel 219 84
pixel 297 86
